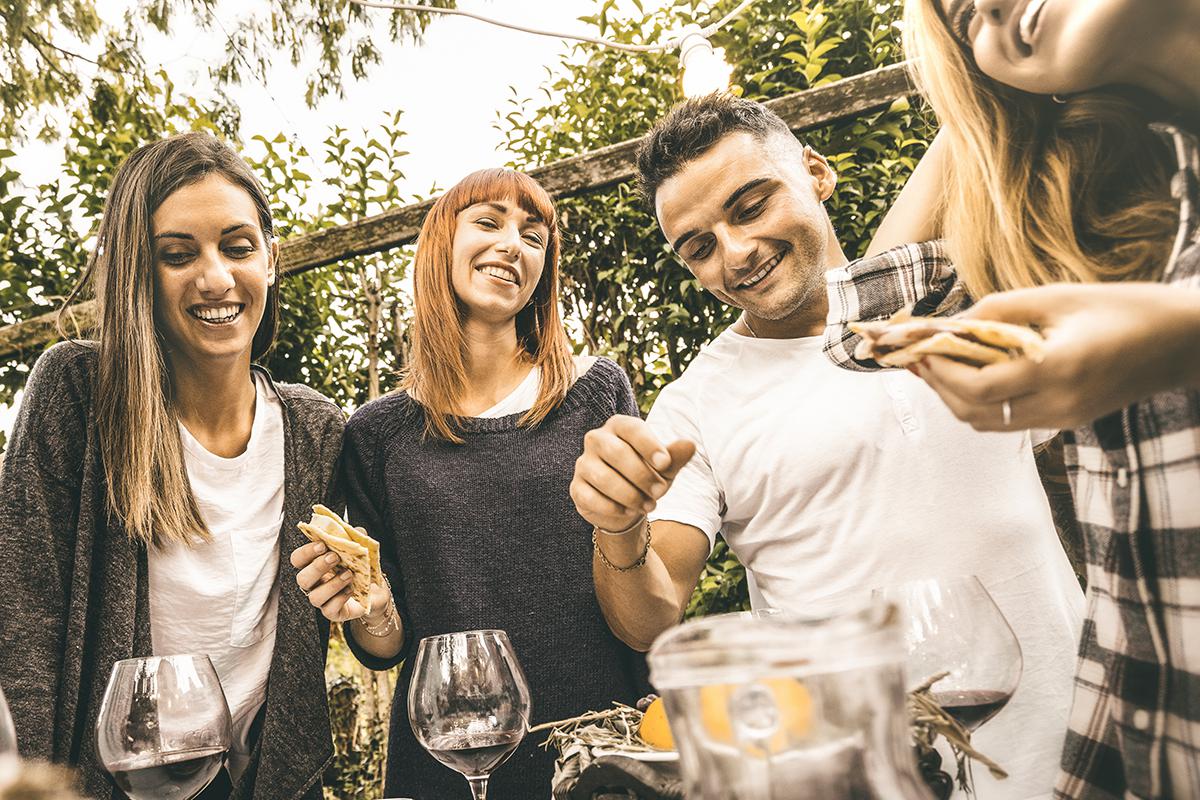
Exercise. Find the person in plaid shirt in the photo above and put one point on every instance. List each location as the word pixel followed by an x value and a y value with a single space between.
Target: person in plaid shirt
pixel 1071 212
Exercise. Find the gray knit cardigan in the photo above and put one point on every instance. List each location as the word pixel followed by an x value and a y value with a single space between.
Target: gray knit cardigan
pixel 75 600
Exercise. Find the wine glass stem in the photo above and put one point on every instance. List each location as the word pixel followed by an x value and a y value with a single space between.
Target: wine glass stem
pixel 478 788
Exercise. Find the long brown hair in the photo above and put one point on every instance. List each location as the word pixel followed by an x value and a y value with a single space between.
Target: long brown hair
pixel 138 428
pixel 436 375
pixel 1040 189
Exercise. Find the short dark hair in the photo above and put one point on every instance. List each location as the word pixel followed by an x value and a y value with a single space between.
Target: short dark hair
pixel 692 127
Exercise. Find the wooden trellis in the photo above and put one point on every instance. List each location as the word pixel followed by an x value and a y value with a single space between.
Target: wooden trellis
pixel 803 111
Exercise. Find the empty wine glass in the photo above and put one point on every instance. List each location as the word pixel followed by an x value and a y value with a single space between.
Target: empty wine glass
pixel 954 626
pixel 9 760
pixel 164 726
pixel 468 702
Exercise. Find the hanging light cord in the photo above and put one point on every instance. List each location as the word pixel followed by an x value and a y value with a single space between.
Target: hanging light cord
pixel 670 44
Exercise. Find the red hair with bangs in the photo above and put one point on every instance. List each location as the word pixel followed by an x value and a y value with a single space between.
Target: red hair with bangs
pixel 436 375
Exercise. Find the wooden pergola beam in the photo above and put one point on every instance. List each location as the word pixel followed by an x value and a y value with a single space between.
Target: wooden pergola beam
pixel 599 169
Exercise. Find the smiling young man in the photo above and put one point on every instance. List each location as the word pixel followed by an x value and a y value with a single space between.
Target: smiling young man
pixel 825 483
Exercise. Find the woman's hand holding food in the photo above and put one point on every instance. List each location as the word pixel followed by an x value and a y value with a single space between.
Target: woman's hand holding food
pixel 1107 346
pixel 327 584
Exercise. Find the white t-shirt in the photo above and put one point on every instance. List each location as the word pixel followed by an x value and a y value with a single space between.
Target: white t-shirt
pixel 828 483
pixel 220 597
pixel 522 398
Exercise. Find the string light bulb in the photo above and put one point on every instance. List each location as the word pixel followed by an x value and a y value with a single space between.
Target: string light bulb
pixel 705 69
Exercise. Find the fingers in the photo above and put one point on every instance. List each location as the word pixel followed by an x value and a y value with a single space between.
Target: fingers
pixel 317 572
pixel 349 608
pixel 600 510
pixel 1019 307
pixel 623 471
pixel 639 436
pixel 980 385
pixel 613 463
pixel 975 399
pixel 343 607
pixel 614 493
pixel 681 452
pixel 303 555
pixel 323 593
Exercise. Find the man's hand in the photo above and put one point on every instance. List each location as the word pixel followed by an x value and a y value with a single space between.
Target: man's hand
pixel 1107 346
pixel 623 471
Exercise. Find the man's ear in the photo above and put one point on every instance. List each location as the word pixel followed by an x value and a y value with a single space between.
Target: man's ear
pixel 822 173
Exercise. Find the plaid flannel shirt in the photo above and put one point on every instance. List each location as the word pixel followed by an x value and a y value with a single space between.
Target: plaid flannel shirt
pixel 1134 730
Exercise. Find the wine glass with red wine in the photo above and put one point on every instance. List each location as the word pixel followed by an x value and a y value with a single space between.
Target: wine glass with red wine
pixel 468 702
pixel 954 626
pixel 164 726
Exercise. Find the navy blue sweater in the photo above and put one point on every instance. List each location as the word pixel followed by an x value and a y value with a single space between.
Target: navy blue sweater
pixel 484 535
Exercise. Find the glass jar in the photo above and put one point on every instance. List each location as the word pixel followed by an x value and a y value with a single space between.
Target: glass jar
pixel 788 708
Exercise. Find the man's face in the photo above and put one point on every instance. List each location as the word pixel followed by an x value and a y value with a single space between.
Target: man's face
pixel 747 219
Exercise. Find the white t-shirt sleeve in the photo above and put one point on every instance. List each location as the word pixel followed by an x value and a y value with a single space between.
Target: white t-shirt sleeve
pixel 695 497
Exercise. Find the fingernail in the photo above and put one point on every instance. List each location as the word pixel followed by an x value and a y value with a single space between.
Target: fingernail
pixel 331 558
pixel 320 548
pixel 328 576
pixel 647 506
pixel 658 490
pixel 660 460
pixel 345 576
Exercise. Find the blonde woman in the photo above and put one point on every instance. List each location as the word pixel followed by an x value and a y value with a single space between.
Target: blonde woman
pixel 463 476
pixel 154 478
pixel 1065 183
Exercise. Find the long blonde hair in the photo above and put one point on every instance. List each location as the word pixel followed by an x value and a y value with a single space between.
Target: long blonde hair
pixel 1041 190
pixel 436 374
pixel 136 421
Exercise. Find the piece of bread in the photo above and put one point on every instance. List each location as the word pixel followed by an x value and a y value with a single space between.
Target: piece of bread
pixel 905 339
pixel 359 553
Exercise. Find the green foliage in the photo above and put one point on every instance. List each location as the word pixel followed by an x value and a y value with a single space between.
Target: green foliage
pixel 342 327
pixel 356 771
pixel 49 48
pixel 623 287
pixel 722 585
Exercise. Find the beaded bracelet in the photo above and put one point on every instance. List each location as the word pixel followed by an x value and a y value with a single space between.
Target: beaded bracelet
pixel 389 626
pixel 604 559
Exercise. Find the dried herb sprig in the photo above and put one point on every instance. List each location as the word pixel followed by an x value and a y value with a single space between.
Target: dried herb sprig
pixel 928 720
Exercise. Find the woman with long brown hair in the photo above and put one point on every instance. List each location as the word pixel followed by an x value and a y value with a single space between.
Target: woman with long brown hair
pixel 464 473
pixel 154 478
pixel 1065 181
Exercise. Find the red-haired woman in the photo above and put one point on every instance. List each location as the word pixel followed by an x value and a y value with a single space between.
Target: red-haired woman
pixel 463 475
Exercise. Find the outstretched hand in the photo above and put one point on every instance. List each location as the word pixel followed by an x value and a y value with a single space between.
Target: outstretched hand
pixel 623 472
pixel 1107 346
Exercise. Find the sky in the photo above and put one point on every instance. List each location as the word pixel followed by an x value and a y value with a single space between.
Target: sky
pixel 450 87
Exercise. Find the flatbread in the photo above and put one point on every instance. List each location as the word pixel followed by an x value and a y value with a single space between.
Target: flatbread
pixel 359 553
pixel 358 536
pixel 948 345
pixel 904 340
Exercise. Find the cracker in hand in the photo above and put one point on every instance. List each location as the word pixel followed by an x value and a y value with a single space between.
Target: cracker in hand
pixel 358 551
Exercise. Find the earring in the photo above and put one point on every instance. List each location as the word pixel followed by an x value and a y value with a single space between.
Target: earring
pixel 1058 98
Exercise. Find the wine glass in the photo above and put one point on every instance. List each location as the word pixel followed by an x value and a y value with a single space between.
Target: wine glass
pixel 164 726
pixel 468 702
pixel 9 759
pixel 952 625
